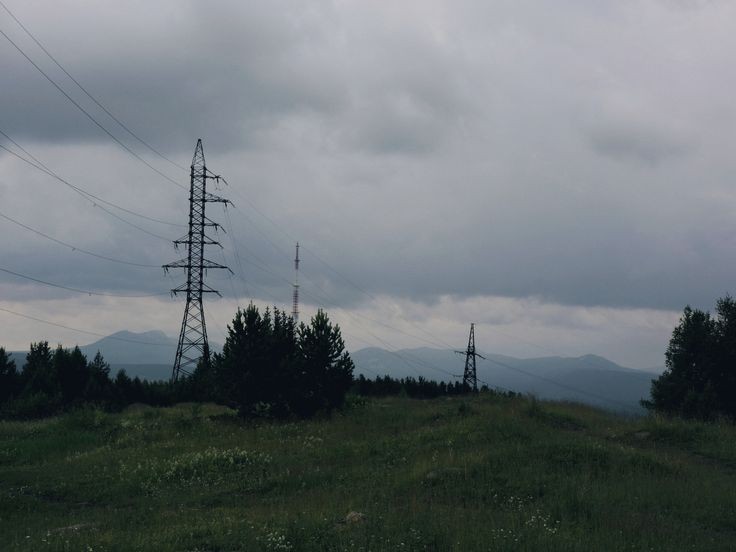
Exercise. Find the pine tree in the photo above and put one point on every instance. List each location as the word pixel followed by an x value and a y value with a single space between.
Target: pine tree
pixel 39 375
pixel 688 386
pixel 9 379
pixel 325 367
pixel 72 372
pixel 98 387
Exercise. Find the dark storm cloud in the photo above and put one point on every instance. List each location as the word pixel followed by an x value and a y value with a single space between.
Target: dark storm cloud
pixel 226 70
pixel 574 153
pixel 640 145
pixel 232 72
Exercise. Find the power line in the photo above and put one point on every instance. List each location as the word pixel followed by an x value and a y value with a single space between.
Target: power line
pixel 374 336
pixel 445 343
pixel 359 288
pixel 97 334
pixel 74 247
pixel 558 384
pixel 76 290
pixel 263 233
pixel 276 301
pixel 83 89
pixel 412 361
pixel 353 284
pixel 87 93
pixel 88 115
pixel 325 263
pixel 85 195
pixel 314 254
pixel 263 266
pixel 354 316
pixel 235 298
pixel 231 235
pixel 259 263
pixel 44 168
pixel 127 129
pixel 421 362
pixel 373 320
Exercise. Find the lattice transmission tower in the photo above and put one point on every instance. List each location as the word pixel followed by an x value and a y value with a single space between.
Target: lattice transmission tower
pixel 193 344
pixel 295 303
pixel 470 376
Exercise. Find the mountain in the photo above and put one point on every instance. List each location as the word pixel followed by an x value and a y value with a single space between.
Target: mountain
pixel 153 347
pixel 588 379
pixel 148 355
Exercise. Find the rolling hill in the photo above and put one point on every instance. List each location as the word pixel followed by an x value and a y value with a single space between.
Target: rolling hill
pixel 455 474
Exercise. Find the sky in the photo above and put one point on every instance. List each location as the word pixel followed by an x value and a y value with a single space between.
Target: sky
pixel 559 173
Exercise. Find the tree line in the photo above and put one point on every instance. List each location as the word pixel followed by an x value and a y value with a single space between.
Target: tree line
pixel 269 366
pixel 54 380
pixel 415 388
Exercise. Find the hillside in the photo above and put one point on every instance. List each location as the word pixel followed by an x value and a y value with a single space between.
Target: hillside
pixel 482 473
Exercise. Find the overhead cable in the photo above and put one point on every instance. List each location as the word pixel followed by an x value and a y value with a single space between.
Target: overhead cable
pixel 76 290
pixel 74 247
pixel 86 92
pixel 88 115
pixel 89 332
pixel 44 168
pixel 84 194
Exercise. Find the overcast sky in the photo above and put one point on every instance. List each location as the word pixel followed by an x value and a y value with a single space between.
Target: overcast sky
pixel 560 173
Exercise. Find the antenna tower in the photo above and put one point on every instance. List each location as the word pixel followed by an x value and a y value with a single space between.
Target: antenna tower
pixel 295 304
pixel 470 377
pixel 193 344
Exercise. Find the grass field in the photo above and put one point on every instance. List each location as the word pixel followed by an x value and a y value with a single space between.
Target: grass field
pixel 482 473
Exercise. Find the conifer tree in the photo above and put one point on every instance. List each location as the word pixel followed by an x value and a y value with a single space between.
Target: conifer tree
pixel 9 379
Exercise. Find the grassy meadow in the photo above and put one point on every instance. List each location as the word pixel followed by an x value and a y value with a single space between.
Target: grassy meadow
pixel 462 474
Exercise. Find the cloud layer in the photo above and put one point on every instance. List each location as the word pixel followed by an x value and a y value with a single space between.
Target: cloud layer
pixel 574 154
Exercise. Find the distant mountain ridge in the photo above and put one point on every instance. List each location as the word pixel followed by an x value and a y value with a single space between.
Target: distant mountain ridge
pixel 152 347
pixel 589 379
pixel 148 355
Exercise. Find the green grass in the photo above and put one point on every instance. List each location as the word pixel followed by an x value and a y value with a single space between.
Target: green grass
pixel 483 473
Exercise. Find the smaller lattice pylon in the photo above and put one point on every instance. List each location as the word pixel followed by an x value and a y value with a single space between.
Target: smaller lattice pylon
pixel 470 375
pixel 295 303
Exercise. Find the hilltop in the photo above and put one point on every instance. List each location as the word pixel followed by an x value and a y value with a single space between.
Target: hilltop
pixel 463 474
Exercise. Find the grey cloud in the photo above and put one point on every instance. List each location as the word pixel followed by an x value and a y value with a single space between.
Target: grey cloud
pixel 638 144
pixel 172 82
pixel 252 67
pixel 424 149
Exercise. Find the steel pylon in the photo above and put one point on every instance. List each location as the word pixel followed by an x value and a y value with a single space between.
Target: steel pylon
pixel 193 344
pixel 470 376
